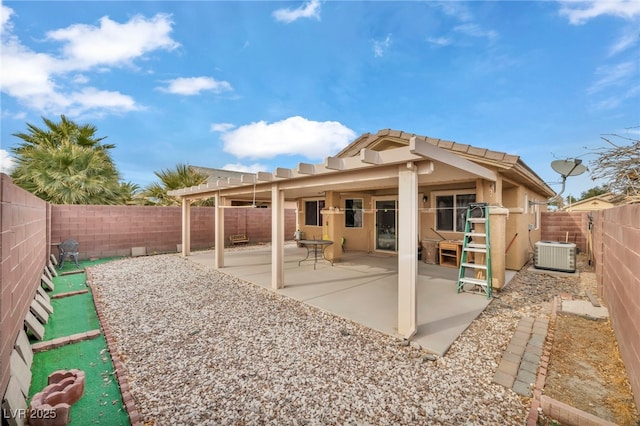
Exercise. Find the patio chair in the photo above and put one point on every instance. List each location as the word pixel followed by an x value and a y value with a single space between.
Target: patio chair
pixel 68 250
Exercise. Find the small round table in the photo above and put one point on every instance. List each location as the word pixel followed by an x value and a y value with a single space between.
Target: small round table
pixel 322 244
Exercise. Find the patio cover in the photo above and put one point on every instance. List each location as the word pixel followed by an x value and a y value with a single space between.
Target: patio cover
pixel 402 169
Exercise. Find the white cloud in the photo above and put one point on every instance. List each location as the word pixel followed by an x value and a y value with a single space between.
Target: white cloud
pixel 112 43
pixel 194 85
pixel 292 136
pixel 439 41
pixel 221 127
pixel 91 98
pixel 612 76
pixel 43 82
pixel 251 168
pixel 5 19
pixel 617 99
pixel 624 42
pixel 7 163
pixel 456 9
pixel 310 9
pixel 475 30
pixel 380 46
pixel 582 11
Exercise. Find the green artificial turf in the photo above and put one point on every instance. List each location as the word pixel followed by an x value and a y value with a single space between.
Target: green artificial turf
pixel 101 403
pixel 71 315
pixel 70 267
pixel 67 283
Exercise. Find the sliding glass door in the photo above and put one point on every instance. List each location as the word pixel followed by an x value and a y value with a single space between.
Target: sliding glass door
pixel 386 224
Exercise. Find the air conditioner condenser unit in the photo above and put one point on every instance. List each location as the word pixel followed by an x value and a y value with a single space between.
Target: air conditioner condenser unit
pixel 555 256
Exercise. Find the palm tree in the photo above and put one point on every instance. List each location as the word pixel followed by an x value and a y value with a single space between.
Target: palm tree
pixel 181 177
pixel 66 164
pixel 66 131
pixel 129 192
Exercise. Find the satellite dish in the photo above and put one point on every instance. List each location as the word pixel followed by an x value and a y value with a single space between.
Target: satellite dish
pixel 568 167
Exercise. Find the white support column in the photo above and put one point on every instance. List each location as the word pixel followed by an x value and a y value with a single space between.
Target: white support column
pixel 186 226
pixel 219 231
pixel 277 237
pixel 407 249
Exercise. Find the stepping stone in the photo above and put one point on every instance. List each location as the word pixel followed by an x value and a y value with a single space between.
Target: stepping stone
pixel 584 308
pixel 24 348
pixel 47 282
pixel 46 305
pixel 14 404
pixel 21 372
pixel 39 312
pixel 34 326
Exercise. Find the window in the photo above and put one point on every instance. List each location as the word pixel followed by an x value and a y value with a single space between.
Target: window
pixel 312 215
pixel 451 211
pixel 353 213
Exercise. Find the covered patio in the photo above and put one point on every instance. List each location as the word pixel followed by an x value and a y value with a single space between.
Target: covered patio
pixel 395 170
pixel 362 287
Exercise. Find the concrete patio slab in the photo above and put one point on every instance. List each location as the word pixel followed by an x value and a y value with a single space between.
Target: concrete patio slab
pixel 363 288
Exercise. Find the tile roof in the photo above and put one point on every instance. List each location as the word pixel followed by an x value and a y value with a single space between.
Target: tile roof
pixel 509 165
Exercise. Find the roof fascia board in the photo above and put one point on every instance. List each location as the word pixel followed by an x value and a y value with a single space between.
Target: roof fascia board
pixel 418 150
pixel 420 146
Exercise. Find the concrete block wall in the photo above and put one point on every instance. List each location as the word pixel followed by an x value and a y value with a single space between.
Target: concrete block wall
pixel 618 271
pixel 256 223
pixel 106 231
pixel 23 250
pixel 557 226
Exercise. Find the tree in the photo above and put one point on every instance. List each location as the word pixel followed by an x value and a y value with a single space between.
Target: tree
pixel 129 192
pixel 619 166
pixel 593 192
pixel 181 177
pixel 65 163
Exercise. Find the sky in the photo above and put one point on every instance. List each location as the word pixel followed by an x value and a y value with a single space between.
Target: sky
pixel 255 85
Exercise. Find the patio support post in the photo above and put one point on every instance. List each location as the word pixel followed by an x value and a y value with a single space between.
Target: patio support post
pixel 407 249
pixel 498 223
pixel 277 237
pixel 186 226
pixel 219 231
pixel 333 225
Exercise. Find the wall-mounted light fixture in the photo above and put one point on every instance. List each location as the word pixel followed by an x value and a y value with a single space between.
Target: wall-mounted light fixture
pixel 425 198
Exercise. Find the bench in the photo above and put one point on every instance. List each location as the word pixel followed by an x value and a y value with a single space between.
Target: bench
pixel 238 239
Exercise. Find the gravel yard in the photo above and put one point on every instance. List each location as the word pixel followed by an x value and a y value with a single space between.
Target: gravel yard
pixel 202 347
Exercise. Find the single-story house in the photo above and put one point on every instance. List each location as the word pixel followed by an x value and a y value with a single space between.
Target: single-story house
pixel 598 202
pixel 389 192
